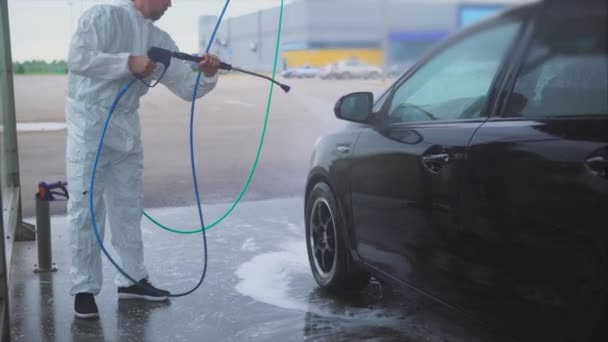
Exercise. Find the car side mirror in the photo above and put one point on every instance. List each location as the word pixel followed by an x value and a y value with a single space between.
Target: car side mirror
pixel 356 107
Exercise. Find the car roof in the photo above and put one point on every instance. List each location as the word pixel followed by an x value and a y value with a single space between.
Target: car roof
pixel 556 7
pixel 552 7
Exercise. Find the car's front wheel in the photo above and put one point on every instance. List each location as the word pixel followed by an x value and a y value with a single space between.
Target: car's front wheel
pixel 329 257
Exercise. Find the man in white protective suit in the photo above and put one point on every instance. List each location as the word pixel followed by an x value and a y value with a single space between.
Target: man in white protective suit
pixel 107 50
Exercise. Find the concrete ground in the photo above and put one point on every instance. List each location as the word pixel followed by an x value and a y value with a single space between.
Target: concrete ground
pixel 228 125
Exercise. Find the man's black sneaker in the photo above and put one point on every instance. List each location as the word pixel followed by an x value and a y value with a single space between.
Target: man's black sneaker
pixel 84 306
pixel 143 290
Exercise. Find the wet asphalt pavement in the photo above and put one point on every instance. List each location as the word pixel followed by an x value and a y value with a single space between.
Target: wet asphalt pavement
pixel 258 287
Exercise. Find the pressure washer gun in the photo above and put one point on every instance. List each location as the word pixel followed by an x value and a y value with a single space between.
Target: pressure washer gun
pixel 46 191
pixel 164 57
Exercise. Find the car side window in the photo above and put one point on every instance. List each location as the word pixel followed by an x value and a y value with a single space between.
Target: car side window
pixel 565 72
pixel 454 84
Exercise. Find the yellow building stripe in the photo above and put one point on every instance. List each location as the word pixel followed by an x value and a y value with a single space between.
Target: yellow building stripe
pixel 319 58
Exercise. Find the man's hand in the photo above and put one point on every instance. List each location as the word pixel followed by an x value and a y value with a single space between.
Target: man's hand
pixel 209 65
pixel 141 66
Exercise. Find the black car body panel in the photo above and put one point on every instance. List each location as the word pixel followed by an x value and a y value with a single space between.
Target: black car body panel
pixel 501 216
pixel 331 163
pixel 535 214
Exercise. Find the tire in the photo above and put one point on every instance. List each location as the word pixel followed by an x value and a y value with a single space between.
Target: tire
pixel 328 255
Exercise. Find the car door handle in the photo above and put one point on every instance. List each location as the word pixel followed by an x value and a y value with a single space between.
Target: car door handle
pixel 435 162
pixel 439 158
pixel 598 165
pixel 343 148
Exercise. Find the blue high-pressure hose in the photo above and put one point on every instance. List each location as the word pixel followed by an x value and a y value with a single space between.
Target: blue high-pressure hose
pixel 198 200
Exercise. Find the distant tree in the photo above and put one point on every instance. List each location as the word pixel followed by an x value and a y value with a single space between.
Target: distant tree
pixel 41 67
pixel 19 69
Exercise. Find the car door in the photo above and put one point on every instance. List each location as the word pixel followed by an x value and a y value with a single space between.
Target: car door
pixel 407 169
pixel 537 200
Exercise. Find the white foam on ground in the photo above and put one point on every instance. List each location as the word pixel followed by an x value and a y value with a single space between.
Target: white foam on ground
pixel 40 126
pixel 267 278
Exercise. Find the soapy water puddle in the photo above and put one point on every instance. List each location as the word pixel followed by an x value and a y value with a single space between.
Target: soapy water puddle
pixel 283 279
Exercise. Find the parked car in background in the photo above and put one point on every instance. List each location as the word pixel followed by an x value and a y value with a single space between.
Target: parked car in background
pixel 306 71
pixel 350 69
pixel 480 177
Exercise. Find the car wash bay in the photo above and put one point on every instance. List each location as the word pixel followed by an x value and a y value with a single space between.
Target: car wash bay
pixel 258 286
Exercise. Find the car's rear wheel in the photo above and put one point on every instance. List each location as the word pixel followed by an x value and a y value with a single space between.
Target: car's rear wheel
pixel 329 257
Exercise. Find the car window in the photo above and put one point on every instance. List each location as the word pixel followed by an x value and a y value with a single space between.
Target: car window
pixel 454 84
pixel 565 71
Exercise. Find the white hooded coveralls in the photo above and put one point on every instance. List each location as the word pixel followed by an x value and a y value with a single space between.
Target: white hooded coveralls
pixel 98 68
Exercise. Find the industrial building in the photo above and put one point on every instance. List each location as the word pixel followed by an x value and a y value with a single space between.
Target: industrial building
pixel 320 32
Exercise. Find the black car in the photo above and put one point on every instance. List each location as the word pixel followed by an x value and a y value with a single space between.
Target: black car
pixel 480 177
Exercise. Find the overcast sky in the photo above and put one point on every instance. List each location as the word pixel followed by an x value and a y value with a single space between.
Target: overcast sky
pixel 41 29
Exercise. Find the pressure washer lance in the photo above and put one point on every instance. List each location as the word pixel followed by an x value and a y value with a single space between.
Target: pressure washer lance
pixel 164 57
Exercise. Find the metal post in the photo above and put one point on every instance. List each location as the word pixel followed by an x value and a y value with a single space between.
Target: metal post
pixel 8 103
pixel 4 271
pixel 18 230
pixel 6 111
pixel 43 237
